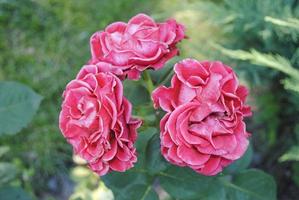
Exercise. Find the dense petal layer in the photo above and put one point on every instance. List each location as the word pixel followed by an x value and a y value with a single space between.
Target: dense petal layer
pixel 96 119
pixel 203 128
pixel 136 46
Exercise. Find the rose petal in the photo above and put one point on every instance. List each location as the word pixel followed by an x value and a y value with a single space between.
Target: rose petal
pixel 191 156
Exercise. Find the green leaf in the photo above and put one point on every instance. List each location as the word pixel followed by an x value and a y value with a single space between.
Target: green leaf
pixel 130 185
pixel 154 161
pixel 276 62
pixel 251 184
pixel 3 150
pixel 290 22
pixel 147 114
pixel 215 192
pixel 138 191
pixel 183 183
pixel 143 138
pixel 13 193
pixel 18 104
pixel 112 179
pixel 163 75
pixel 7 172
pixel 141 144
pixel 135 92
pixel 290 155
pixel 242 163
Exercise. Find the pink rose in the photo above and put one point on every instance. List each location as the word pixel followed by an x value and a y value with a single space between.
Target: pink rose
pixel 96 120
pixel 137 45
pixel 203 127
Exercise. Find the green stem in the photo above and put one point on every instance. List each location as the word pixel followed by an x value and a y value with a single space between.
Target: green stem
pixel 148 189
pixel 148 82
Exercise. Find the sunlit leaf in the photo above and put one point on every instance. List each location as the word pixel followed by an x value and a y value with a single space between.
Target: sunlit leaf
pixel 290 155
pixel 3 150
pixel 7 172
pixel 18 104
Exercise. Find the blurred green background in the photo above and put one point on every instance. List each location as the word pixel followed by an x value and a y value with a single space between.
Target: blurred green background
pixel 43 44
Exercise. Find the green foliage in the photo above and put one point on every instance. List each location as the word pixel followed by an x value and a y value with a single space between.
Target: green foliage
pixel 267 60
pixel 246 19
pixel 18 106
pixel 252 184
pixel 154 160
pixel 3 150
pixel 295 170
pixel 286 62
pixel 183 183
pixel 132 186
pixel 288 26
pixel 8 172
pixel 44 43
pixel 13 193
pixel 259 39
pixel 290 22
pixel 141 181
pixel 135 92
pixel 291 154
pixel 267 118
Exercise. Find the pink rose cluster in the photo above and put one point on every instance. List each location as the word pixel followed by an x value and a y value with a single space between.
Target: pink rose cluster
pixel 203 127
pixel 96 117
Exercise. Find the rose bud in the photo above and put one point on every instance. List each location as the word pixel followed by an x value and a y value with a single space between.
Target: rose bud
pixel 96 120
pixel 137 45
pixel 203 127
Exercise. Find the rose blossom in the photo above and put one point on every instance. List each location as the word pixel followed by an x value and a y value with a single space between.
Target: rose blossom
pixel 203 127
pixel 137 45
pixel 96 120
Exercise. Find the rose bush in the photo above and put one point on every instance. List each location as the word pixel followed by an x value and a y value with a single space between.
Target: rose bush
pixel 137 45
pixel 96 120
pixel 202 132
pixel 203 127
